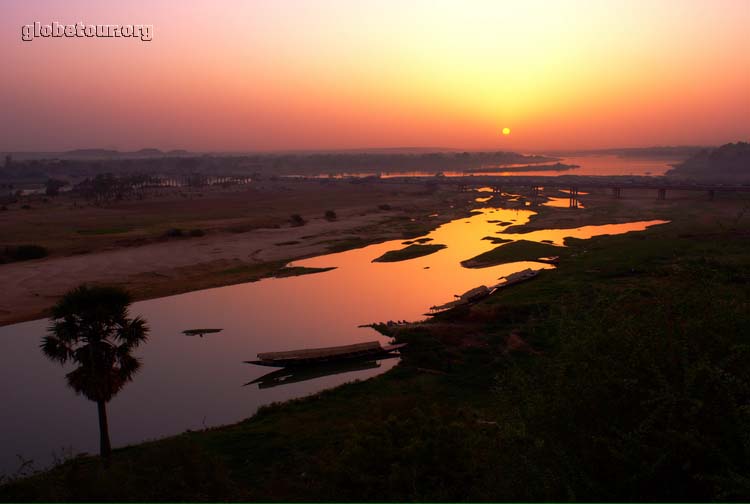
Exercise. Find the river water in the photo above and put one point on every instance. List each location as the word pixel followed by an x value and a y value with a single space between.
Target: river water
pixel 589 165
pixel 192 382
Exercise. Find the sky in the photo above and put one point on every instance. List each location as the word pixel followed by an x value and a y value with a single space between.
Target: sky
pixel 225 75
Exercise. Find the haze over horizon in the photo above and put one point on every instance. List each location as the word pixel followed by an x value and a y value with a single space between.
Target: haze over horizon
pixel 339 75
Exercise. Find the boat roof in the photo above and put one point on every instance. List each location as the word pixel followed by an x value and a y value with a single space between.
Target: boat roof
pixel 526 272
pixel 315 353
pixel 475 290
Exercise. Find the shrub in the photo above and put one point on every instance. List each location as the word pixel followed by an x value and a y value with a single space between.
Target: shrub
pixel 22 253
pixel 174 233
pixel 384 206
pixel 330 215
pixel 297 220
pixel 196 232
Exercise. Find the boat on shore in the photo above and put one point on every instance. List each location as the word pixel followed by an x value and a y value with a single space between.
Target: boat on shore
pixel 297 374
pixel 478 293
pixel 518 277
pixel 316 356
pixel 468 297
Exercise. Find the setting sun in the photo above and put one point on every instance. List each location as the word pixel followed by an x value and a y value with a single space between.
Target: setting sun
pixel 506 131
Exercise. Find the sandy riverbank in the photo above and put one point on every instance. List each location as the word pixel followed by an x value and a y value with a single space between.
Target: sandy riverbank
pixel 237 248
pixel 227 253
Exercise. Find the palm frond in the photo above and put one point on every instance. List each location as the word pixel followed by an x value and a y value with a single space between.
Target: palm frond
pixel 128 367
pixel 56 349
pixel 133 332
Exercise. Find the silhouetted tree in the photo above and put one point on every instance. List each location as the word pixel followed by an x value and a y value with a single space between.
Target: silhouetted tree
pixel 91 328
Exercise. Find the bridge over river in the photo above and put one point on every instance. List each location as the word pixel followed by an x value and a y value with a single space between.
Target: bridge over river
pixel 574 184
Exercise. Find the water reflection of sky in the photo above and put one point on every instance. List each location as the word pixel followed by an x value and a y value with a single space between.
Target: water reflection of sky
pixel 601 165
pixel 192 382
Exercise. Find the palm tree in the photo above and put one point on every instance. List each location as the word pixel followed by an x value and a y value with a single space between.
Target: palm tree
pixel 90 327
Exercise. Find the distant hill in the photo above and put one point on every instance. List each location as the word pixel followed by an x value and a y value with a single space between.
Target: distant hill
pixel 729 162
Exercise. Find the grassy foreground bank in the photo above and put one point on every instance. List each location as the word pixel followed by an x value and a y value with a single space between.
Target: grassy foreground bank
pixel 622 375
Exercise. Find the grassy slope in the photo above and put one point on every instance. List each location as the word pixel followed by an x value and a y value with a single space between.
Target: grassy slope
pixel 637 389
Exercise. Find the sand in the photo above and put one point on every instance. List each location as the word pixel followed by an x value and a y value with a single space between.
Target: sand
pixel 31 287
pixel 222 257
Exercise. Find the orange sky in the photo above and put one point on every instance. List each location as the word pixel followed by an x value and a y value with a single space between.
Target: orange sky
pixel 242 75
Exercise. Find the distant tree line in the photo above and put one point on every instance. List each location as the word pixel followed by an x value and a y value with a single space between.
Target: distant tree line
pixel 258 165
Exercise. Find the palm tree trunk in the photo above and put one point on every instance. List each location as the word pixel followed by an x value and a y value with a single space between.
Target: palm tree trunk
pixel 105 449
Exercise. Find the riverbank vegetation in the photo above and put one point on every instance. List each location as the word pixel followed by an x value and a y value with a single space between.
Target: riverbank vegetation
pixel 21 253
pixel 619 376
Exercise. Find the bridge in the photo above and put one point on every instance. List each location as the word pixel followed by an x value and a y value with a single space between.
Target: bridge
pixel 574 184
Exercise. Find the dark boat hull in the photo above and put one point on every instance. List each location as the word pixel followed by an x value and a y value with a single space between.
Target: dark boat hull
pixel 331 359
pixel 289 375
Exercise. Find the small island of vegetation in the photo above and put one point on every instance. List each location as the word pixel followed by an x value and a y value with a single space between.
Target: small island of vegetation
pixel 521 250
pixel 410 252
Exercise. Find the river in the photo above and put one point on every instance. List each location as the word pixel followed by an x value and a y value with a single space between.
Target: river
pixel 193 382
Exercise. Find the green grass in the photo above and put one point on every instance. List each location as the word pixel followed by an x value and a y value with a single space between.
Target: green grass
pixel 521 250
pixel 411 252
pixel 637 389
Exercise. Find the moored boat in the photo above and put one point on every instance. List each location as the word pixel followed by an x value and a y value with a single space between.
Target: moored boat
pixel 297 374
pixel 312 356
pixel 468 297
pixel 518 277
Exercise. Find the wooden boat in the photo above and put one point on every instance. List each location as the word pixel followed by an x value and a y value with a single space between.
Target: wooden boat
pixel 314 356
pixel 200 332
pixel 481 292
pixel 518 277
pixel 475 294
pixel 468 297
pixel 296 374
